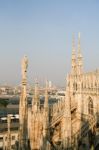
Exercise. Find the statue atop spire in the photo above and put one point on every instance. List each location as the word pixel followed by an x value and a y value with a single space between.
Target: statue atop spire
pixel 24 67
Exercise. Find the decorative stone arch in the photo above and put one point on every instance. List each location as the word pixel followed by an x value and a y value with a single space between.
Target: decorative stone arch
pixel 90 106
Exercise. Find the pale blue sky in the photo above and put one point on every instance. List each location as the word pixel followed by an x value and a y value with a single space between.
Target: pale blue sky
pixel 42 30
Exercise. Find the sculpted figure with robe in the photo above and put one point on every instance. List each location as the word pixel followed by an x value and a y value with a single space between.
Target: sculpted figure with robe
pixel 24 66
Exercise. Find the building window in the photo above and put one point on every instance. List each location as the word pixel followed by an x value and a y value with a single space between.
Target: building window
pixel 90 106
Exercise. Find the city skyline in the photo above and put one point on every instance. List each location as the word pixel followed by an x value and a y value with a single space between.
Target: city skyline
pixel 43 31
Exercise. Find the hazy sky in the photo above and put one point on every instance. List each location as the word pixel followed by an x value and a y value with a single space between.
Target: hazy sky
pixel 42 30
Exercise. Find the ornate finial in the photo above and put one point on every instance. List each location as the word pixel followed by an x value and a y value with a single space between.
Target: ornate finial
pixel 80 60
pixel 79 46
pixel 24 67
pixel 73 63
pixel 73 43
pixel 73 47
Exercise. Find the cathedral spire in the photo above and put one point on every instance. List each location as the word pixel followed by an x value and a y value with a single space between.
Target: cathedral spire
pixel 23 108
pixel 79 44
pixel 79 57
pixel 73 43
pixel 46 118
pixel 73 70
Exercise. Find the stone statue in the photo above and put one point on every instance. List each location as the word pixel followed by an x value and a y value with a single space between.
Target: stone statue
pixel 24 66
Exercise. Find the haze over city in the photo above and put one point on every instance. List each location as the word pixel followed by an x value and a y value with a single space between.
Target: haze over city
pixel 42 30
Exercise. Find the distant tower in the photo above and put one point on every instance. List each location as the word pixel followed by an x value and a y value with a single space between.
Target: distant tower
pixel 74 65
pixel 9 133
pixel 79 58
pixel 23 108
